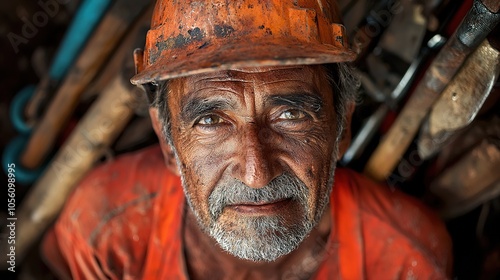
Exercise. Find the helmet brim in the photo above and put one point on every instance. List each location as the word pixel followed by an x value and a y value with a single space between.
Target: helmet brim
pixel 235 55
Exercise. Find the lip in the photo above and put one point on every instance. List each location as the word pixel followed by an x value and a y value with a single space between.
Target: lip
pixel 261 208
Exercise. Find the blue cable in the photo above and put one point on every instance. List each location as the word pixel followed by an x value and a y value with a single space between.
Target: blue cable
pixel 11 154
pixel 86 18
pixel 17 109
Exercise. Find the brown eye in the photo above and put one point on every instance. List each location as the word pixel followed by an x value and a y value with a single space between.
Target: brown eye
pixel 210 120
pixel 292 115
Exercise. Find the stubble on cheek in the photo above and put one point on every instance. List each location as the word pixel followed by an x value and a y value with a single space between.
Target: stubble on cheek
pixel 196 195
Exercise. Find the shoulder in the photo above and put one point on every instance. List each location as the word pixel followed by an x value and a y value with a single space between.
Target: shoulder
pixel 119 187
pixel 397 228
pixel 110 212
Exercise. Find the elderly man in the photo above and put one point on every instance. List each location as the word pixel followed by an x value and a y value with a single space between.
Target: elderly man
pixel 253 101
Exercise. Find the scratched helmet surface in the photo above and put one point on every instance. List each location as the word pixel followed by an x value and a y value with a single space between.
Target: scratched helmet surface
pixel 193 37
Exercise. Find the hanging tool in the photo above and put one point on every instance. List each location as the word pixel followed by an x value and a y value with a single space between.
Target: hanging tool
pixel 85 20
pixel 110 31
pixel 371 126
pixel 459 104
pixel 472 180
pixel 94 134
pixel 476 25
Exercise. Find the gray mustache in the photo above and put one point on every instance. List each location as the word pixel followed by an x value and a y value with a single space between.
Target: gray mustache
pixel 282 187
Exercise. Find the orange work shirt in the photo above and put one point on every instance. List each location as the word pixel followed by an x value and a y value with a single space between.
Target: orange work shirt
pixel 124 221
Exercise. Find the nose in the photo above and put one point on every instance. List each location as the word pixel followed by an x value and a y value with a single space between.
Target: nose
pixel 256 165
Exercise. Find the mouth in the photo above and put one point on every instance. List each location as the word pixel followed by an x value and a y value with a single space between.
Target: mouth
pixel 260 208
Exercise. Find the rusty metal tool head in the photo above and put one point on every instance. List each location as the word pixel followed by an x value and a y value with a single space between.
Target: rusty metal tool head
pixel 481 20
pixel 462 99
pixel 192 37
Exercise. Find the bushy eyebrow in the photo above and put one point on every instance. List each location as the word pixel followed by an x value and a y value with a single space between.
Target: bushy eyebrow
pixel 304 101
pixel 196 107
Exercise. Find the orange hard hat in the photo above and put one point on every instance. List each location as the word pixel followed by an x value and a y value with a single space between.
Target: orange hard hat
pixel 190 37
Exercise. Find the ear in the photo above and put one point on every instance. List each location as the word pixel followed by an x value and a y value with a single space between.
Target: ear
pixel 168 154
pixel 345 141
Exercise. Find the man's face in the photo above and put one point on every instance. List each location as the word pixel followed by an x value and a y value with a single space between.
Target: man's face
pixel 256 149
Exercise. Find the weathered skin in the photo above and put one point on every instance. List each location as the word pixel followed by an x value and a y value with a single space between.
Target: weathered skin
pixel 252 140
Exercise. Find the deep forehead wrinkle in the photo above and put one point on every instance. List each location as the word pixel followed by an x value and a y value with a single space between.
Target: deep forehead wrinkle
pixel 222 76
pixel 220 79
pixel 235 74
pixel 297 82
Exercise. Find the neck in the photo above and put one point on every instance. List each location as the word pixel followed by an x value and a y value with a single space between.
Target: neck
pixel 203 255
